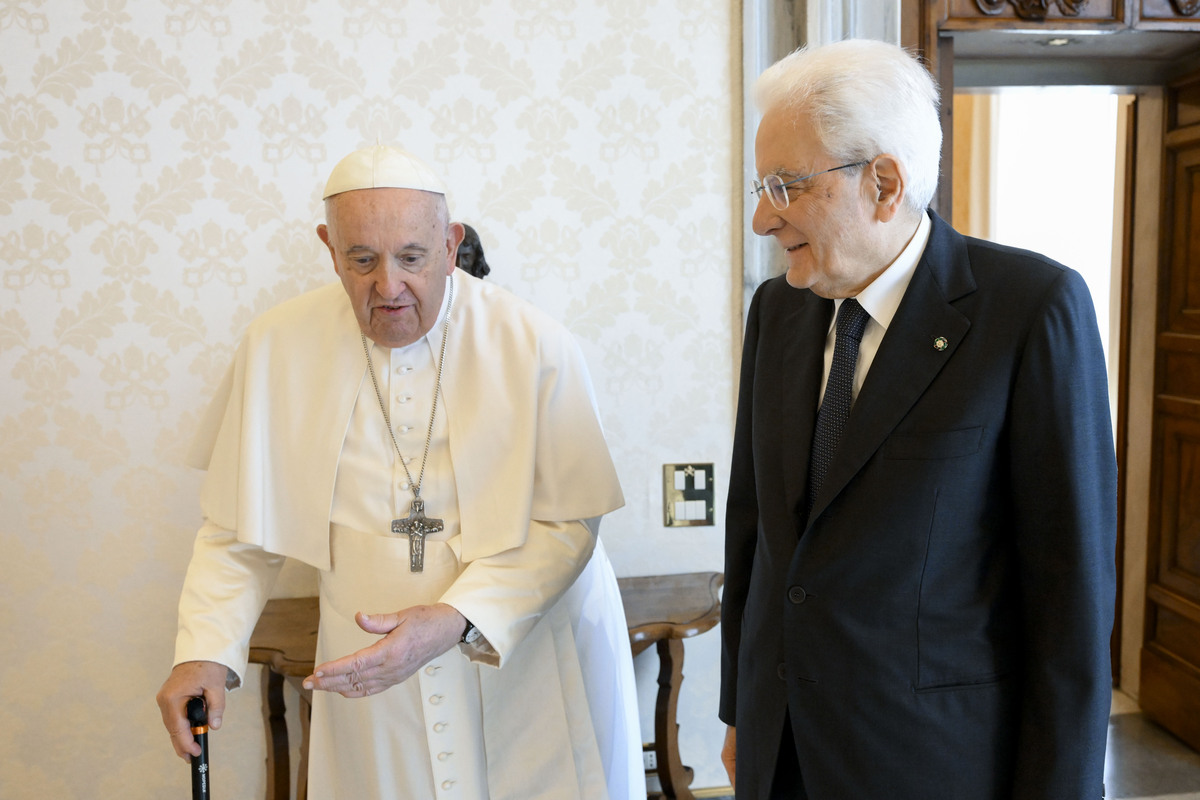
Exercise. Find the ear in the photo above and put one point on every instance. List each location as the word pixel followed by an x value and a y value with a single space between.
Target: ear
pixel 891 181
pixel 323 234
pixel 454 236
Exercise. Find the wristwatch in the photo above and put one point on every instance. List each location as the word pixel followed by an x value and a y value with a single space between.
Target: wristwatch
pixel 470 634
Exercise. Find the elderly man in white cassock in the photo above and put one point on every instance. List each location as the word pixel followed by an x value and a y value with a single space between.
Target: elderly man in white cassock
pixel 431 445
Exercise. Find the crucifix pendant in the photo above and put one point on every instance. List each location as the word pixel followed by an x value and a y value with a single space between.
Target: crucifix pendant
pixel 417 526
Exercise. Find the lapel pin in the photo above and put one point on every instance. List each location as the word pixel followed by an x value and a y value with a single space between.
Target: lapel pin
pixel 941 343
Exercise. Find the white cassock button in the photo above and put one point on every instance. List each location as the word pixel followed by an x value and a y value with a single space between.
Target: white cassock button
pixel 440 727
pixel 447 784
pixel 436 699
pixel 443 756
pixel 405 428
pixel 431 669
pixel 404 486
pixel 404 398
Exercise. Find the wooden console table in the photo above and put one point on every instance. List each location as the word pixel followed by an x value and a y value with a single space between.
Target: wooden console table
pixel 662 610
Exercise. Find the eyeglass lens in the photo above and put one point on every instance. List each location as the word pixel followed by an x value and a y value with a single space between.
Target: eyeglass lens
pixel 773 184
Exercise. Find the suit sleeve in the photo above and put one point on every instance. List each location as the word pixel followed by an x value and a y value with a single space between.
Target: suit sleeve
pixel 1063 473
pixel 741 522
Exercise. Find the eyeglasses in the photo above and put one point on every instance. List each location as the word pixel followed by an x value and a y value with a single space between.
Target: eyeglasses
pixel 777 188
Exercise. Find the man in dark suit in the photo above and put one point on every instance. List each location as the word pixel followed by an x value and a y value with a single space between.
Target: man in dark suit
pixel 917 606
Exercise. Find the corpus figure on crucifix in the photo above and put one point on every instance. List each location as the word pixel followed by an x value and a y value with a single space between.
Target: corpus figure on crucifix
pixel 416 526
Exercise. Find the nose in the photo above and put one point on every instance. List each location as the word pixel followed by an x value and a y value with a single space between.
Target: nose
pixel 766 218
pixel 390 280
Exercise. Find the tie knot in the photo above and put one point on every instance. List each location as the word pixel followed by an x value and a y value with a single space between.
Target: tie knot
pixel 852 319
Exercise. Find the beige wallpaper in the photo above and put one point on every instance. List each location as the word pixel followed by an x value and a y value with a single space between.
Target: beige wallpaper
pixel 159 170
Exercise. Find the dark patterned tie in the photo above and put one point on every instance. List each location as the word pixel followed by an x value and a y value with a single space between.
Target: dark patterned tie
pixel 835 406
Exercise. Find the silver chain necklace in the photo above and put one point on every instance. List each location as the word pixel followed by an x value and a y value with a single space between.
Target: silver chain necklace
pixel 416 525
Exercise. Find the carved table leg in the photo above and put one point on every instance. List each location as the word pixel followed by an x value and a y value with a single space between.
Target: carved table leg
pixel 672 774
pixel 278 780
pixel 305 720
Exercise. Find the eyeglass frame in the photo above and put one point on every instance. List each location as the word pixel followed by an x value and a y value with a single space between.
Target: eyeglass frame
pixel 757 186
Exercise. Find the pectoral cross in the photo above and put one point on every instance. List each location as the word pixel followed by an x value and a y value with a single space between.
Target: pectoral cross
pixel 417 526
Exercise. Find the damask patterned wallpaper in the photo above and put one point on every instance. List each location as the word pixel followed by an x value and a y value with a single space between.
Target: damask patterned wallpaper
pixel 160 165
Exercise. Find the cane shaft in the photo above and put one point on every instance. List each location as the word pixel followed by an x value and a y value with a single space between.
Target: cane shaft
pixel 197 716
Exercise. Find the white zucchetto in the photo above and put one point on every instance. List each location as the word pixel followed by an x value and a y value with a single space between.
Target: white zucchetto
pixel 382 167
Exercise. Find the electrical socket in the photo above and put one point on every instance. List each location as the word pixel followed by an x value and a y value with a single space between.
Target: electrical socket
pixel 688 494
pixel 651 760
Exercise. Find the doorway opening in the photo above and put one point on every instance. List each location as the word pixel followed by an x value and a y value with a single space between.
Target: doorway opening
pixel 1042 168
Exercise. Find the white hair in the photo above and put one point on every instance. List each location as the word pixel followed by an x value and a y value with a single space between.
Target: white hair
pixel 863 98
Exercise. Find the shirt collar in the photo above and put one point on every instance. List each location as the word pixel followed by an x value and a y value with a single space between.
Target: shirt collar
pixel 882 296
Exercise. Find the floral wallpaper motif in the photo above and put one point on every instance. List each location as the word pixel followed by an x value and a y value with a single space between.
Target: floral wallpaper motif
pixel 160 168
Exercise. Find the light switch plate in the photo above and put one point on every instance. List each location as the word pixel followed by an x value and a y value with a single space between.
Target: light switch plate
pixel 688 494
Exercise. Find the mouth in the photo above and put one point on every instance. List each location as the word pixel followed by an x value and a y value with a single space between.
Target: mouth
pixel 796 247
pixel 391 309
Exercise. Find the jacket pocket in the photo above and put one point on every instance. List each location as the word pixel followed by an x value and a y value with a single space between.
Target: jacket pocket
pixel 982 682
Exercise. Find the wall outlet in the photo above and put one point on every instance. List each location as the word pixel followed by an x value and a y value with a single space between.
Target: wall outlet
pixel 651 760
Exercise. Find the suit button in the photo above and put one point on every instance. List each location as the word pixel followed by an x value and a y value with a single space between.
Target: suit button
pixel 797 594
pixel 781 671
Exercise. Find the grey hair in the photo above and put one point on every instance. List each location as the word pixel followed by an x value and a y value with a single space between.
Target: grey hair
pixel 863 98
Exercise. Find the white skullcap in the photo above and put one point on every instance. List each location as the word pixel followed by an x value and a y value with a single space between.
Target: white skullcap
pixel 382 167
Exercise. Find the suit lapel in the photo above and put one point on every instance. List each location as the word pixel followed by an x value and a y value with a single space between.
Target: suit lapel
pixel 909 357
pixel 802 341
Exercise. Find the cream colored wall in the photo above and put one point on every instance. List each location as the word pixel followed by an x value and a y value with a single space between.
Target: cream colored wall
pixel 159 168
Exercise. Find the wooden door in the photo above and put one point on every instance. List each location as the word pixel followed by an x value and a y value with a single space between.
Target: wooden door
pixel 1170 662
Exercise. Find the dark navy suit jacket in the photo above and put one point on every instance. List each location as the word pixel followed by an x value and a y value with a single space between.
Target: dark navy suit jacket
pixel 939 629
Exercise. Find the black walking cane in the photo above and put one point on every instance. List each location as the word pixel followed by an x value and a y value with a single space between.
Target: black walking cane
pixel 198 718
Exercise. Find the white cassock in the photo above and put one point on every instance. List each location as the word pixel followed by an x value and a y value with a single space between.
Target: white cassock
pixel 545 706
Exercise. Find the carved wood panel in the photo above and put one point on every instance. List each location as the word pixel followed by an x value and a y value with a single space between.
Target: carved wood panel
pixel 1176 13
pixel 1183 304
pixel 1178 563
pixel 1170 686
pixel 1033 9
pixel 1185 110
pixel 991 13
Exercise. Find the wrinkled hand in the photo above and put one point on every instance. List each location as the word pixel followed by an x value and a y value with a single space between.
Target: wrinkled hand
pixel 187 680
pixel 729 754
pixel 413 637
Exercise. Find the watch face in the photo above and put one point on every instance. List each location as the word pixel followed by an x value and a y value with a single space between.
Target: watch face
pixel 471 635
